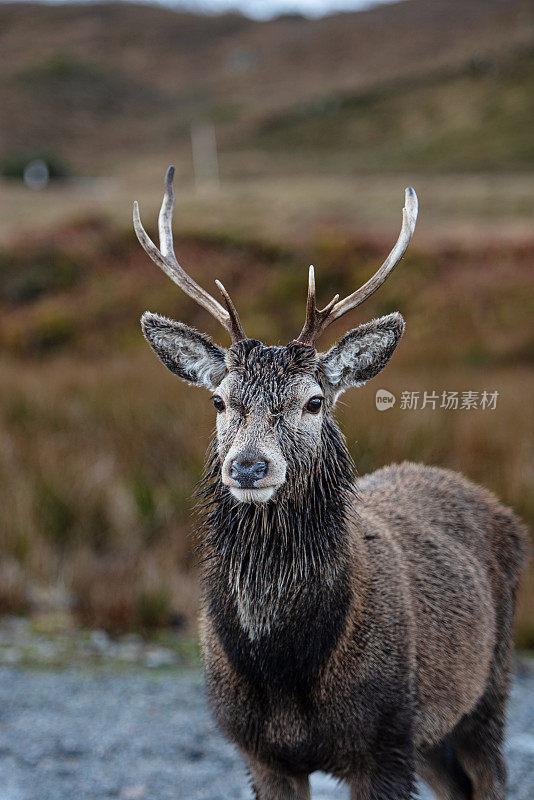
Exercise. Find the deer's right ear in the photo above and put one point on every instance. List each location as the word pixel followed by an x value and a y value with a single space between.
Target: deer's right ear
pixel 362 353
pixel 189 354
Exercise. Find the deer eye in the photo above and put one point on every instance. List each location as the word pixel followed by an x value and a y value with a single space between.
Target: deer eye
pixel 314 404
pixel 218 402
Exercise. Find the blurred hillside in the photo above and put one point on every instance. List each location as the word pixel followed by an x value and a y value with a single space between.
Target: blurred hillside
pixel 442 85
pixel 320 125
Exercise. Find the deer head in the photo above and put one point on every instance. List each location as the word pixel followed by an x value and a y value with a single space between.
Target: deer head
pixel 274 404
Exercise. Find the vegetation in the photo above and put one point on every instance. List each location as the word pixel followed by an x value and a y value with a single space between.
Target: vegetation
pixel 102 447
pixel 471 118
pixel 132 78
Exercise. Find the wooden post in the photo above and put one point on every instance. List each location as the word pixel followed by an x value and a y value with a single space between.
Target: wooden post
pixel 205 158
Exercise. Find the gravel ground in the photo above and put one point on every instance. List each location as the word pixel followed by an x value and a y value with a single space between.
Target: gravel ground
pixel 146 734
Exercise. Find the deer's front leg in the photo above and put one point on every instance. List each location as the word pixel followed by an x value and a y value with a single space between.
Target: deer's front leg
pixel 391 779
pixel 387 770
pixel 384 789
pixel 269 784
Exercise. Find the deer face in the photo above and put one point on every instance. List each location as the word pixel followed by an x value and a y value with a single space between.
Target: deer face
pixel 270 408
pixel 271 402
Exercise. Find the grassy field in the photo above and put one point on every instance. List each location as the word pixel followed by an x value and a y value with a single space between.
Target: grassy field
pixel 462 118
pixel 101 447
pixel 278 206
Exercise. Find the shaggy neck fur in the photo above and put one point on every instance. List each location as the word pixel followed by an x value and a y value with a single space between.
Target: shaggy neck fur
pixel 265 561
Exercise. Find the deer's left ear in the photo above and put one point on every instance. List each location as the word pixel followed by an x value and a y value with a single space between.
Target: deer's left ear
pixel 362 353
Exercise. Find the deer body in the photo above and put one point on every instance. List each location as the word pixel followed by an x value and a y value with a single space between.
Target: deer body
pixel 363 629
pixel 379 635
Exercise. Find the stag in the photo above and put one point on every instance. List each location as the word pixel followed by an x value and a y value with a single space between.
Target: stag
pixel 359 628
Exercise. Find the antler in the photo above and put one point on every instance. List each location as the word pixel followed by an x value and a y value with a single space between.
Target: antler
pixel 166 259
pixel 317 321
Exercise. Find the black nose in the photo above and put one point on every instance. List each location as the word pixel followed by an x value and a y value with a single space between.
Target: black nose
pixel 246 473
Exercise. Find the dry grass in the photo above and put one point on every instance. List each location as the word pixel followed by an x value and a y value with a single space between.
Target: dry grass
pixel 101 447
pixel 282 204
pixel 97 466
pixel 98 463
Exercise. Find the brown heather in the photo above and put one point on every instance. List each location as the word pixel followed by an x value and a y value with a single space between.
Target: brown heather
pixel 97 461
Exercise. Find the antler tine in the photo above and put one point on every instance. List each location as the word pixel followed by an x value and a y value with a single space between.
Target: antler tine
pixel 315 317
pixel 237 332
pixel 318 321
pixel 165 217
pixel 165 258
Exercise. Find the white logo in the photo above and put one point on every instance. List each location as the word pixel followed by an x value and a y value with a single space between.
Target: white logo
pixel 384 400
